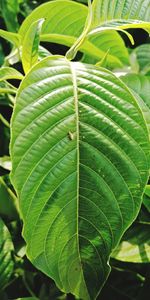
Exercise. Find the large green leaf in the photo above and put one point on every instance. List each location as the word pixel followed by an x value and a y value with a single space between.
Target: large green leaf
pixel 119 15
pixel 79 165
pixel 6 261
pixel 140 84
pixel 135 245
pixel 125 14
pixel 71 18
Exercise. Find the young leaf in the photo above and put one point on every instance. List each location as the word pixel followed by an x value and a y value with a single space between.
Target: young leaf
pixel 9 73
pixel 135 245
pixel 31 44
pixel 77 195
pixel 6 261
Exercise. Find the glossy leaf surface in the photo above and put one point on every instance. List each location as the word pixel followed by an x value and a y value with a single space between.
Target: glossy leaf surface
pixel 79 164
pixel 120 12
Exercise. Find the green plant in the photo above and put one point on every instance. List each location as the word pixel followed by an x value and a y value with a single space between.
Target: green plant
pixel 79 140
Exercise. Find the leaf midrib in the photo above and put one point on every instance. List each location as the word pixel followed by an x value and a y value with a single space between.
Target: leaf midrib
pixel 75 93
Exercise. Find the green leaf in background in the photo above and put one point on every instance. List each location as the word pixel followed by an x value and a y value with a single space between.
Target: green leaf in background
pixel 12 37
pixel 123 14
pixel 10 9
pixel 105 41
pixel 98 30
pixel 71 18
pixel 31 44
pixel 9 73
pixel 120 15
pixel 140 84
pixel 142 56
pixel 146 198
pixel 6 249
pixel 135 245
pixel 79 153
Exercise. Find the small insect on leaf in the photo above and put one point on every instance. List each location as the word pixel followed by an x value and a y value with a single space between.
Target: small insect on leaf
pixel 71 136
